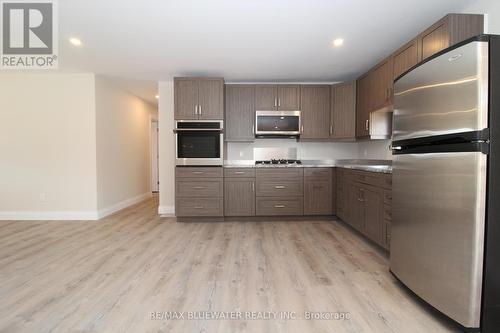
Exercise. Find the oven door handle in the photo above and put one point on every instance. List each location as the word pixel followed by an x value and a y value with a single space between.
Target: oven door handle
pixel 178 130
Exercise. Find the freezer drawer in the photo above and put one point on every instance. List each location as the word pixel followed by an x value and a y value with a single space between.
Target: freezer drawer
pixel 448 94
pixel 438 220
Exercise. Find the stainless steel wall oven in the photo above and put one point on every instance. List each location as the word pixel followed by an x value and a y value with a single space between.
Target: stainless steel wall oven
pixel 199 142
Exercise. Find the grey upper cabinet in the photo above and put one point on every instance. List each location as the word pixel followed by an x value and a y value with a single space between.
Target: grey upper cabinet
pixel 406 57
pixel 450 30
pixel 281 97
pixel 288 97
pixel 363 106
pixel 198 98
pixel 315 115
pixel 211 98
pixel 343 112
pixel 266 97
pixel 240 113
pixel 186 98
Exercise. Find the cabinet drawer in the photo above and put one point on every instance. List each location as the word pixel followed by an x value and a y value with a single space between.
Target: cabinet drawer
pixel 239 172
pixel 375 179
pixel 284 172
pixel 199 207
pixel 387 212
pixel 279 206
pixel 318 173
pixel 199 188
pixel 279 188
pixel 198 172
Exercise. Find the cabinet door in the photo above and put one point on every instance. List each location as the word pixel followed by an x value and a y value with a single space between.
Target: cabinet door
pixel 239 197
pixel 380 89
pixel 342 196
pixel 406 57
pixel 362 107
pixel 288 97
pixel 343 113
pixel 240 113
pixel 355 204
pixel 334 192
pixel 435 39
pixel 315 115
pixel 185 98
pixel 266 97
pixel 373 204
pixel 210 99
pixel 317 197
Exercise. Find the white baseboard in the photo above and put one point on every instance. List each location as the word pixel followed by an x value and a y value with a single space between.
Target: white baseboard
pixel 122 205
pixel 48 216
pixel 73 215
pixel 166 210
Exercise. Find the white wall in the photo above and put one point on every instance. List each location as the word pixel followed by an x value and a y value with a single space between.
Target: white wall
pixel 122 146
pixel 492 10
pixel 47 146
pixel 166 147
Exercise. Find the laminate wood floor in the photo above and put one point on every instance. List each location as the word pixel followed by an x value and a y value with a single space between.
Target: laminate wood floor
pixel 111 275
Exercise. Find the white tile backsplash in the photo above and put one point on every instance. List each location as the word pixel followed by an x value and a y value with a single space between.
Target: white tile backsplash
pixel 305 150
pixel 377 149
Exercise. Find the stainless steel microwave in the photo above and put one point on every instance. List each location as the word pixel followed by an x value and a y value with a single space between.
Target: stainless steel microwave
pixel 199 142
pixel 277 123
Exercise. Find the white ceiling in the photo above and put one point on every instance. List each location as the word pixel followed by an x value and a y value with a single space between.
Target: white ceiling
pixel 241 40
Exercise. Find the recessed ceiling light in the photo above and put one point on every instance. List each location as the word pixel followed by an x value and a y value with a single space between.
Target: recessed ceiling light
pixel 75 41
pixel 157 96
pixel 338 42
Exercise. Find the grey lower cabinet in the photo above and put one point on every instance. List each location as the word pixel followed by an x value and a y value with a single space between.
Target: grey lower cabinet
pixel 364 202
pixel 199 191
pixel 239 192
pixel 318 191
pixel 279 191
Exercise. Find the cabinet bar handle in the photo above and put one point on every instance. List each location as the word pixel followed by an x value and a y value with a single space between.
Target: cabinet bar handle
pixel 331 129
pixel 198 172
pixel 198 207
pixel 275 102
pixel 279 206
pixel 279 101
pixel 253 186
pixel 199 187
pixel 239 172
pixel 279 186
pixel 367 125
pixel 301 129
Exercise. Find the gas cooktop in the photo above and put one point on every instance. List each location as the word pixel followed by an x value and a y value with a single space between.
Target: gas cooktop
pixel 278 161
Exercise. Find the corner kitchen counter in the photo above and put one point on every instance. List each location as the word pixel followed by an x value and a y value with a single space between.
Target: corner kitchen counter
pixel 379 166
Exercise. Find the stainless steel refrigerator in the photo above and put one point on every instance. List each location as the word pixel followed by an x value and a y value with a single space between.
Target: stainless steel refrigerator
pixel 445 243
